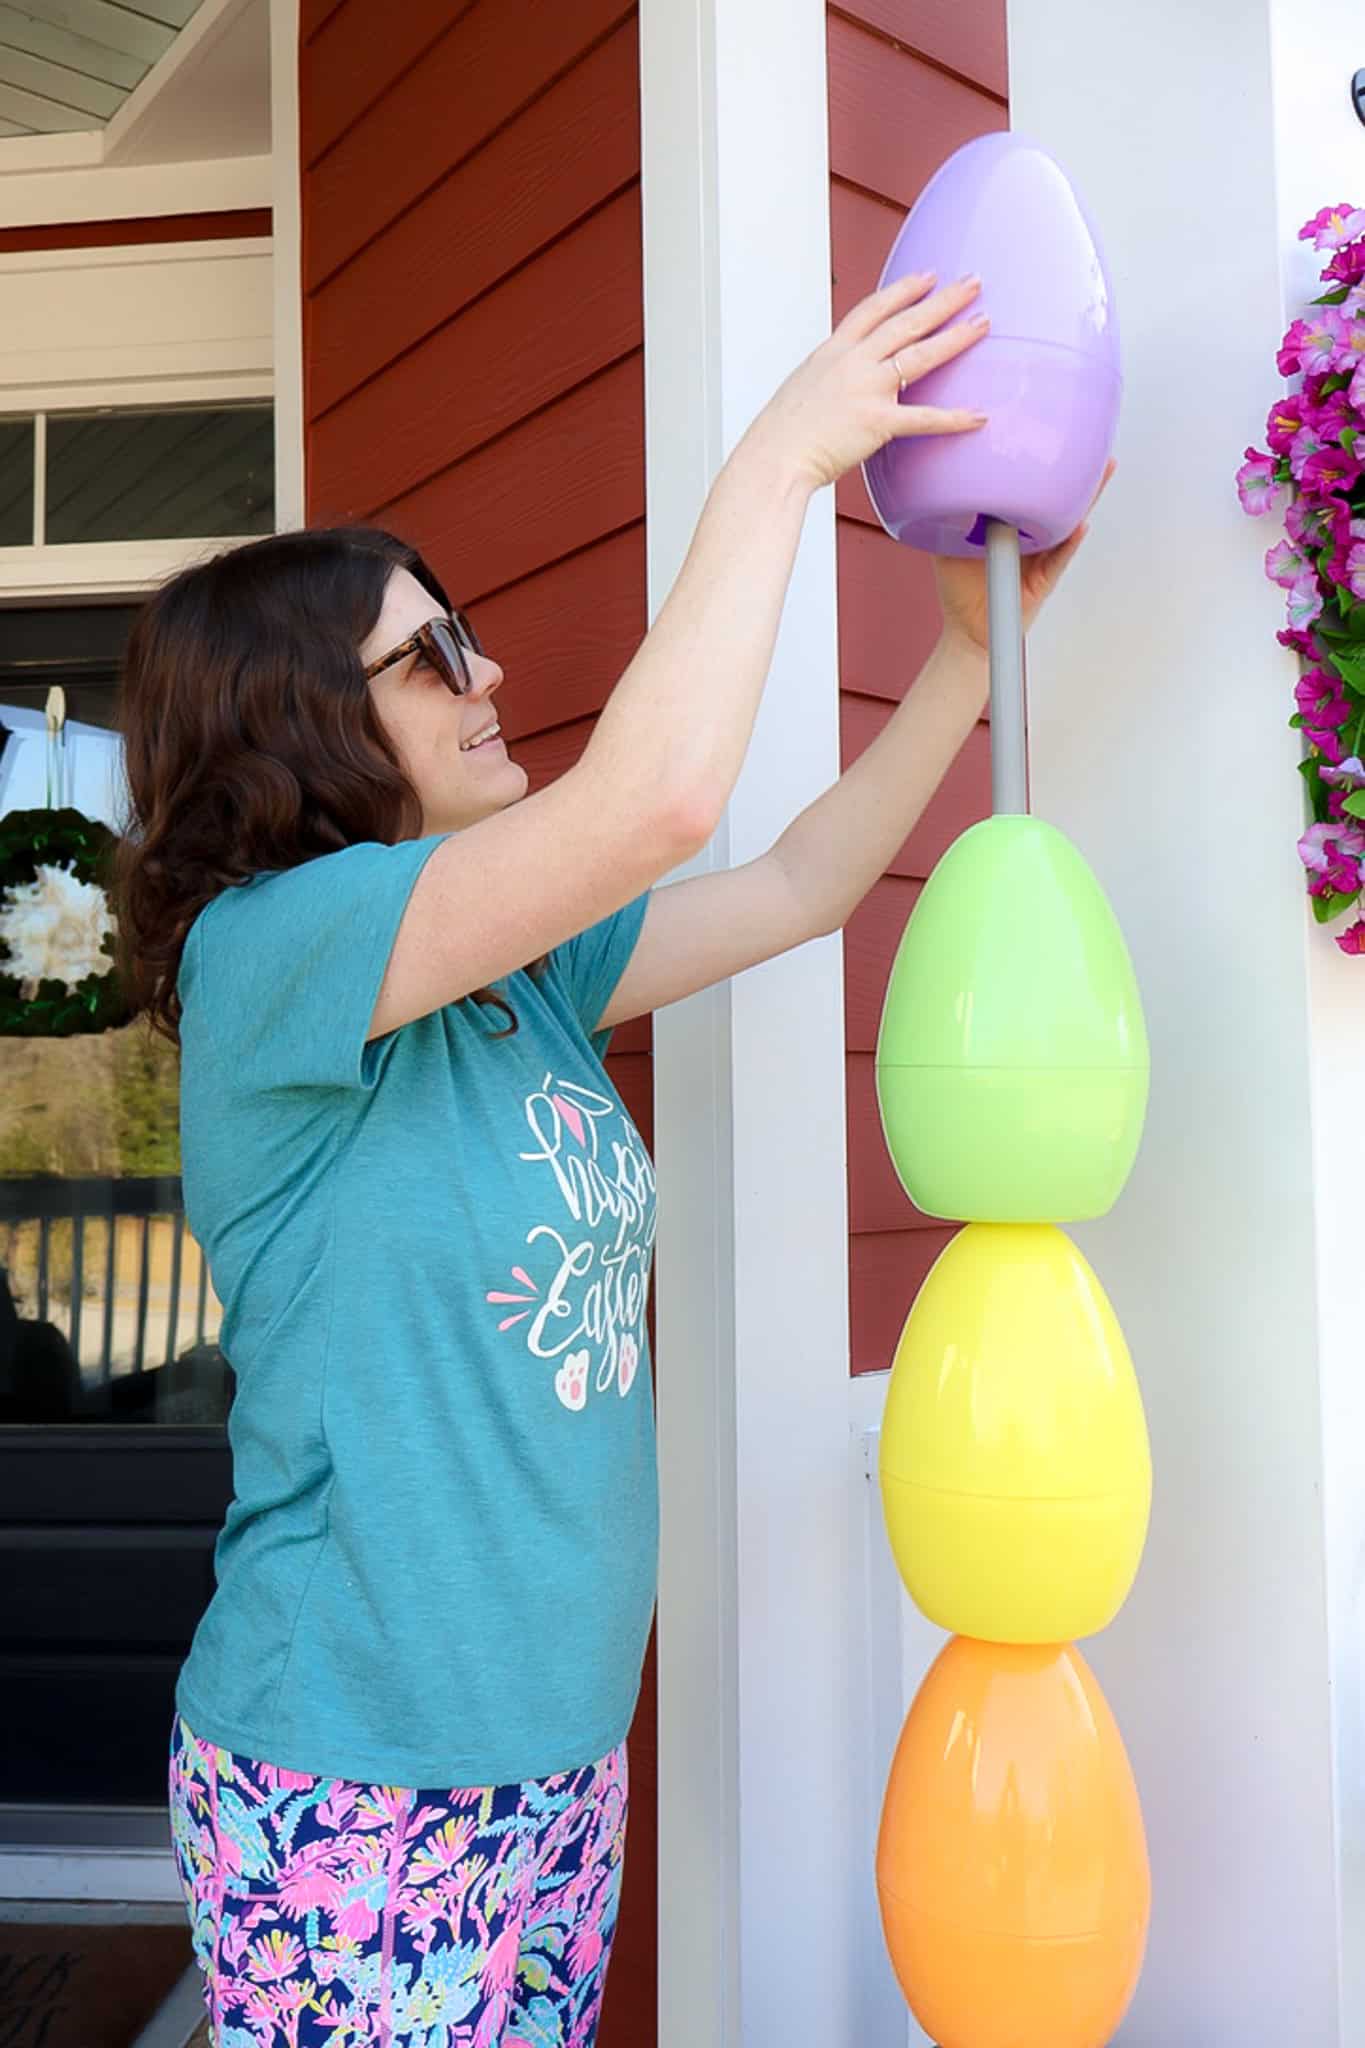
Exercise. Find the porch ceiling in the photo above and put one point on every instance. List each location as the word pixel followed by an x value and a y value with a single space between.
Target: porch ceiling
pixel 71 64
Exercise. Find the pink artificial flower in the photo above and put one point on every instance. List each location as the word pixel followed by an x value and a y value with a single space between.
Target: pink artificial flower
pixel 1285 565
pixel 1354 579
pixel 1333 227
pixel 1325 740
pixel 1348 774
pixel 1331 853
pixel 1306 444
pixel 1301 643
pixel 1328 469
pixel 1319 342
pixel 1316 691
pixel 1284 420
pixel 1282 423
pixel 1287 362
pixel 1350 333
pixel 1312 523
pixel 1345 530
pixel 1328 416
pixel 1256 485
pixel 1348 265
pixel 1356 389
pixel 1305 603
pixel 1352 940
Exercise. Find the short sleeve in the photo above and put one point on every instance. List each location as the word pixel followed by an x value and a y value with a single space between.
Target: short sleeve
pixel 591 965
pixel 282 973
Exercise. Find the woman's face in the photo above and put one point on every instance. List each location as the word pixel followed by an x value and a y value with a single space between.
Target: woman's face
pixel 430 728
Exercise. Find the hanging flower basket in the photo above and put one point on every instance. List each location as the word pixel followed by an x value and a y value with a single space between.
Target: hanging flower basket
pixel 1316 462
pixel 57 972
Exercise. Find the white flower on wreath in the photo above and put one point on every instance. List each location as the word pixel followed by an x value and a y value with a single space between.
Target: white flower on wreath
pixel 54 928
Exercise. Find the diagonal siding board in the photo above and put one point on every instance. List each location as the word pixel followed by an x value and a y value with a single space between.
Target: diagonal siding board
pixel 482 373
pixel 892 117
pixel 969 40
pixel 350 69
pixel 566 155
pixel 570 476
pixel 909 82
pixel 886 1269
pixel 565 634
pixel 445 112
pixel 888 611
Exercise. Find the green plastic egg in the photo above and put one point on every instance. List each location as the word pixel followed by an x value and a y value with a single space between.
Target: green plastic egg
pixel 1012 1062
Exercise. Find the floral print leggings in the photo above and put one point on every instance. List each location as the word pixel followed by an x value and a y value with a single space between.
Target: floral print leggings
pixel 328 1914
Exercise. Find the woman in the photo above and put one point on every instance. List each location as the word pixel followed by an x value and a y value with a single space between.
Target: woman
pixel 398 1774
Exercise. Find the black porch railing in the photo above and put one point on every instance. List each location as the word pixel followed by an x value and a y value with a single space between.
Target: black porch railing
pixel 65 1211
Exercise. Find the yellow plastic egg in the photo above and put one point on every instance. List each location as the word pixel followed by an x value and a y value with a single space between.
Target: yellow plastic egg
pixel 1016 1476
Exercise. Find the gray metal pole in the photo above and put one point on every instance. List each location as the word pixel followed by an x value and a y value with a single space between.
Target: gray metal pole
pixel 1009 738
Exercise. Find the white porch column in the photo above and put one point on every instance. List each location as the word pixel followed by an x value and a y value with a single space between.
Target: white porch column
pixel 287 232
pixel 758 1879
pixel 1203 136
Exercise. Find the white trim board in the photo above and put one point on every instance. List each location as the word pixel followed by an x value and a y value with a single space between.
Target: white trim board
pixel 42 190
pixel 99 569
pixel 119 256
pixel 287 244
pixel 757 1693
pixel 116 1875
pixel 188 83
pixel 129 314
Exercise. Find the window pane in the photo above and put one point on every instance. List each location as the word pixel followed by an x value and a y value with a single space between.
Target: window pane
pixel 107 1313
pixel 16 483
pixel 168 473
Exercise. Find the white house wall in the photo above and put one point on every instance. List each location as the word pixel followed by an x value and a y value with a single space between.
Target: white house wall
pixel 1203 136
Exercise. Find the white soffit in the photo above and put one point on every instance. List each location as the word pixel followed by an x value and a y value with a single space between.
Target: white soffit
pixel 67 64
pixel 164 81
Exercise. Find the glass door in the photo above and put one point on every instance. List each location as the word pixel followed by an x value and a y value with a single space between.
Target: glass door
pixel 113 1391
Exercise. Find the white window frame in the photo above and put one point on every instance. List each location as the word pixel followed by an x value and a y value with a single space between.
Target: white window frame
pixel 187 370
pixel 95 569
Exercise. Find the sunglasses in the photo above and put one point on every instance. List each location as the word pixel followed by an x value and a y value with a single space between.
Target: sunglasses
pixel 446 644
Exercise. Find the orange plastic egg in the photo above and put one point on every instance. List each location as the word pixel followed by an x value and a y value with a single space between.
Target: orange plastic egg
pixel 1012 1862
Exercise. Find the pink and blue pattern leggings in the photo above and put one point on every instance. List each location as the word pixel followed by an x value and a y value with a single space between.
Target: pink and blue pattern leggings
pixel 328 1914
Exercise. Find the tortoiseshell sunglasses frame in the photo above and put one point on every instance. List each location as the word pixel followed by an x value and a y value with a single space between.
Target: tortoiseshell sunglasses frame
pixel 438 640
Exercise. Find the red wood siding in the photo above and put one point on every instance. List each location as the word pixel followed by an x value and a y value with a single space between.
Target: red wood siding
pixel 473 379
pixel 909 82
pixel 119 234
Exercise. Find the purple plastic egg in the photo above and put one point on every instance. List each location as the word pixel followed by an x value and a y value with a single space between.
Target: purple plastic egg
pixel 1047 373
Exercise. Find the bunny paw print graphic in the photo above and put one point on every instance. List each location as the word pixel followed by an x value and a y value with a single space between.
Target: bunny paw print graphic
pixel 571 1381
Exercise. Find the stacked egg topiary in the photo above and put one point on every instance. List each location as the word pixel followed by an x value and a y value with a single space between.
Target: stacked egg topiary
pixel 1015 1473
pixel 1012 1074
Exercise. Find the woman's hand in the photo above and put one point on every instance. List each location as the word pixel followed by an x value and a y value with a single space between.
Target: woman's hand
pixel 843 402
pixel 962 583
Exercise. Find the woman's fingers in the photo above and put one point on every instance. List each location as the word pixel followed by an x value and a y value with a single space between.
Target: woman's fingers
pixel 929 316
pixel 869 313
pixel 935 419
pixel 920 357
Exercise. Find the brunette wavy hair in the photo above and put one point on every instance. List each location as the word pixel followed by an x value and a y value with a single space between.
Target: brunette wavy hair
pixel 251 740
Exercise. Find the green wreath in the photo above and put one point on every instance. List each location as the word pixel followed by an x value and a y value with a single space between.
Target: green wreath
pixel 65 839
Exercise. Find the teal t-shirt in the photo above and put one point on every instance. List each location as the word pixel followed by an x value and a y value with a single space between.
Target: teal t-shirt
pixel 433 1254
